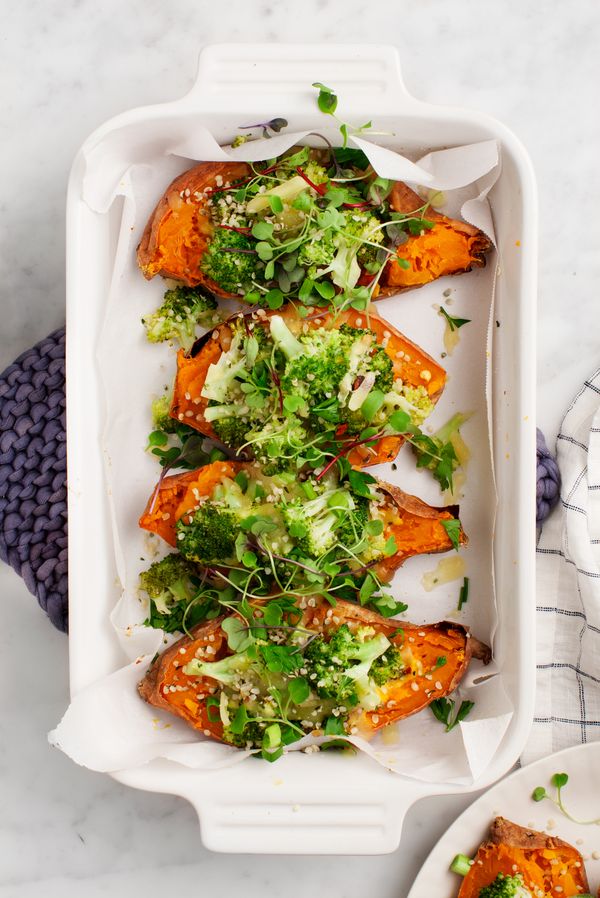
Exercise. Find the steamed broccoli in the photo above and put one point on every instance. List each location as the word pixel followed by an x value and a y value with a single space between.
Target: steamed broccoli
pixel 318 252
pixel 210 536
pixel 313 524
pixel 232 271
pixel 161 418
pixel 339 668
pixel 250 737
pixel 381 363
pixel 169 581
pixel 506 887
pixel 360 230
pixel 176 319
pixel 226 671
pixel 277 444
pixel 389 666
pixel 231 430
pixel 419 402
pixel 351 528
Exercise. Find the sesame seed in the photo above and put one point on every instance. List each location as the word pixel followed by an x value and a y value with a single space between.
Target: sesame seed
pixel 414 686
pixel 438 685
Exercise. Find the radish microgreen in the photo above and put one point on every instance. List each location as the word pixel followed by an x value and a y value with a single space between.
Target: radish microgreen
pixel 559 781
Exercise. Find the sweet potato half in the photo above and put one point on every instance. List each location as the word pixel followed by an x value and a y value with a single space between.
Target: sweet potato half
pixel 416 526
pixel 548 865
pixel 179 229
pixel 410 363
pixel 166 686
pixel 450 247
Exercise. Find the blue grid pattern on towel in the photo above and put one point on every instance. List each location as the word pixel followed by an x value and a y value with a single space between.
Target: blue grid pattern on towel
pixel 568 589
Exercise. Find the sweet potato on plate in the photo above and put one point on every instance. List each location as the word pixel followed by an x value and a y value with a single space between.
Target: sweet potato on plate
pixel 416 526
pixel 179 230
pixel 547 865
pixel 450 247
pixel 167 686
pixel 410 363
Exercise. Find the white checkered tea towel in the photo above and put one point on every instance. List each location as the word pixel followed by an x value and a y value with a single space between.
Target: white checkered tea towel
pixel 567 707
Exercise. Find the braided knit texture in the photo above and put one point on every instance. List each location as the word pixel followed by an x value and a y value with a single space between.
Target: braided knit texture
pixel 33 471
pixel 548 480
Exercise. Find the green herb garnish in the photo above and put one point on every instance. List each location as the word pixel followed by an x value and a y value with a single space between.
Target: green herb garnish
pixel 443 710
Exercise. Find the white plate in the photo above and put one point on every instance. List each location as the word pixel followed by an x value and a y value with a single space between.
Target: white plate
pixel 511 798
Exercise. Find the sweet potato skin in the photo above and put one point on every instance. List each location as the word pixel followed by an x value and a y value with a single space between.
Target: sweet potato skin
pixel 450 247
pixel 179 229
pixel 531 852
pixel 410 363
pixel 427 642
pixel 416 526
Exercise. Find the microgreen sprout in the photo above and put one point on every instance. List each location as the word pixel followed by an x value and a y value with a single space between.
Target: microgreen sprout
pixel 559 781
pixel 274 124
pixel 453 323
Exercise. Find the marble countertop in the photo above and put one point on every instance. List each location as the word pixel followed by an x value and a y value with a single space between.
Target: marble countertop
pixel 66 66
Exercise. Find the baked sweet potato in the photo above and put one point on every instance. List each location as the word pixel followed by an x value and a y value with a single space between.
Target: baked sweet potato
pixel 416 527
pixel 548 865
pixel 410 363
pixel 422 679
pixel 179 230
pixel 450 247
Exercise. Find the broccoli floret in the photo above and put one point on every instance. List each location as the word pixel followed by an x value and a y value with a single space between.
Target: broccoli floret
pixel 313 524
pixel 176 319
pixel 315 173
pixel 317 253
pixel 232 271
pixel 277 443
pixel 250 737
pixel 505 887
pixel 389 666
pixel 339 668
pixel 351 529
pixel 169 581
pixel 321 365
pixel 420 404
pixel 161 418
pixel 231 431
pixel 383 366
pixel 361 226
pixel 210 536
pixel 226 671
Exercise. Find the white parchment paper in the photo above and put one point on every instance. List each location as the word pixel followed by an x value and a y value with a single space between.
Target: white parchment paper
pixel 107 726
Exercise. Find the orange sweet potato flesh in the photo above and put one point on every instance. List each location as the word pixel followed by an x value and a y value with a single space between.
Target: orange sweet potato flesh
pixel 410 363
pixel 179 229
pixel 426 644
pixel 450 247
pixel 416 526
pixel 548 865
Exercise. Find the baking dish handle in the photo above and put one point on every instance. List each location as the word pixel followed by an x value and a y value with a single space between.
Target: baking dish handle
pixel 341 818
pixel 266 80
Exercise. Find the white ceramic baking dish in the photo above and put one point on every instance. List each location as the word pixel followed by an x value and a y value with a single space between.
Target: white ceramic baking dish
pixel 338 804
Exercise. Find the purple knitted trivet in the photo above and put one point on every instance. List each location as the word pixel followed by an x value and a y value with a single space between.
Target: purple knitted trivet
pixel 33 469
pixel 548 480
